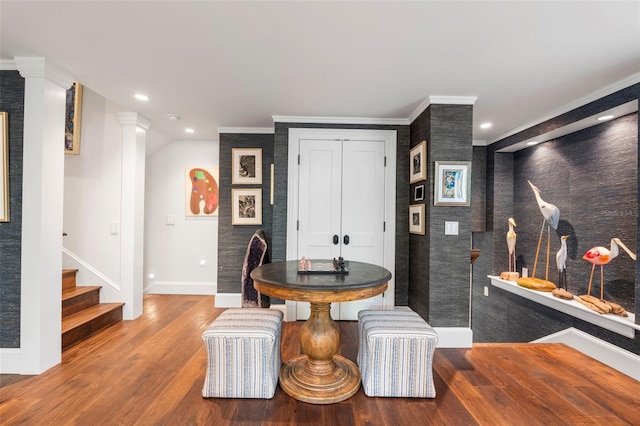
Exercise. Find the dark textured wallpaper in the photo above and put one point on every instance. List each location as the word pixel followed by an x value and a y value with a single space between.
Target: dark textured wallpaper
pixel 12 102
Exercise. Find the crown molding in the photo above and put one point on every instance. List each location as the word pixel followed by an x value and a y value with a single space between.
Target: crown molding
pixel 594 96
pixel 8 65
pixel 133 119
pixel 340 120
pixel 453 100
pixel 37 67
pixel 442 100
pixel 247 130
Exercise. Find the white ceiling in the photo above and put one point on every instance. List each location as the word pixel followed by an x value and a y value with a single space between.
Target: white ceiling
pixel 237 64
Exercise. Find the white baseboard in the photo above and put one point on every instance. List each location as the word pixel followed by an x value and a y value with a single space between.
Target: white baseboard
pixel 174 287
pixel 615 357
pixel 454 337
pixel 10 361
pixel 228 300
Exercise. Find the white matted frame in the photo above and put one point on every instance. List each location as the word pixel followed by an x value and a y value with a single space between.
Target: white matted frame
pixel 418 193
pixel 246 206
pixel 416 219
pixel 452 183
pixel 4 167
pixel 246 166
pixel 418 162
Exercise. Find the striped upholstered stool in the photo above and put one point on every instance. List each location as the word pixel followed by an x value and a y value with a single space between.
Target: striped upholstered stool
pixel 243 351
pixel 395 354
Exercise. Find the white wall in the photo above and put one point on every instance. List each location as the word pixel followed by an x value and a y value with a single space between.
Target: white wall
pixel 173 253
pixel 92 198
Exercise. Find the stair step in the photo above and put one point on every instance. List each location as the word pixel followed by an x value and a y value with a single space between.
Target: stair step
pixel 81 325
pixel 68 278
pixel 79 298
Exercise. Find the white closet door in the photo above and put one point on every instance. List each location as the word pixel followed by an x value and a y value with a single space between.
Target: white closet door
pixel 341 208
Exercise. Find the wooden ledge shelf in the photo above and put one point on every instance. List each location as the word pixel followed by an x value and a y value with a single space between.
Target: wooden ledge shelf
pixel 625 326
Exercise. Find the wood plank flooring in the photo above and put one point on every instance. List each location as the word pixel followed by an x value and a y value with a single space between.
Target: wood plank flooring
pixel 150 371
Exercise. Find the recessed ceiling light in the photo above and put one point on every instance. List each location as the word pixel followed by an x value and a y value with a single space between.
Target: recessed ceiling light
pixel 532 143
pixel 485 125
pixel 141 97
pixel 188 130
pixel 606 117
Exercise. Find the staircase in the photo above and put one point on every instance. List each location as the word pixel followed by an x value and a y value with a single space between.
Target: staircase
pixel 82 313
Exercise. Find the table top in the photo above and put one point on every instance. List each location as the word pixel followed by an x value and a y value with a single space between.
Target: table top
pixel 281 279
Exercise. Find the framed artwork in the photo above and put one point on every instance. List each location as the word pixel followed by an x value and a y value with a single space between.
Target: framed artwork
pixel 246 206
pixel 4 167
pixel 202 193
pixel 418 193
pixel 416 219
pixel 73 118
pixel 452 183
pixel 418 159
pixel 246 166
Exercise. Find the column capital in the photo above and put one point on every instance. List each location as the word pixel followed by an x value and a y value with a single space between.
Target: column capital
pixel 37 67
pixel 133 119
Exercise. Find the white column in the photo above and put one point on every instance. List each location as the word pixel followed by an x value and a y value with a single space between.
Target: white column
pixel 134 129
pixel 42 201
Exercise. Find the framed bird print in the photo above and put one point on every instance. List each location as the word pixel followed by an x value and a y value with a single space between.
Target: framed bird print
pixel 452 183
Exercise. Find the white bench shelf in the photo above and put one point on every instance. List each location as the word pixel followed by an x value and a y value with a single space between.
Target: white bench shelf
pixel 625 326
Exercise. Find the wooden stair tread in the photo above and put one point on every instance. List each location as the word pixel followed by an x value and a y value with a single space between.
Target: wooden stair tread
pixel 88 314
pixel 77 291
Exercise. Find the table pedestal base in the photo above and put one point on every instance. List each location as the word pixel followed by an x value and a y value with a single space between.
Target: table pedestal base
pixel 339 384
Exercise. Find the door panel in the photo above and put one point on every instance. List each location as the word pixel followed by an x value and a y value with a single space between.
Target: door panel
pixel 363 212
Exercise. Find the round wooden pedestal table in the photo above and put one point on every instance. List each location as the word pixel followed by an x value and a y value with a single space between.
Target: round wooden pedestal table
pixel 319 376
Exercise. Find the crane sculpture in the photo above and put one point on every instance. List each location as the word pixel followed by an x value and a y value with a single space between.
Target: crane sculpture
pixel 602 256
pixel 551 215
pixel 511 245
pixel 561 262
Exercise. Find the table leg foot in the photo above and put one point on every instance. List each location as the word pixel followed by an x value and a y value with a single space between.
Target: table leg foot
pixel 337 385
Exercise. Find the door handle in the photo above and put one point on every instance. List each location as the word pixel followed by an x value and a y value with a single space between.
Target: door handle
pixel 346 240
pixel 336 239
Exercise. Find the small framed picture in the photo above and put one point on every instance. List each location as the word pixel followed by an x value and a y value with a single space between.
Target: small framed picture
pixel 246 166
pixel 418 193
pixel 452 183
pixel 418 159
pixel 416 219
pixel 246 206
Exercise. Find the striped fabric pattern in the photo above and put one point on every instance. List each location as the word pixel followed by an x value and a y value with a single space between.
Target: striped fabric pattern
pixel 395 353
pixel 243 351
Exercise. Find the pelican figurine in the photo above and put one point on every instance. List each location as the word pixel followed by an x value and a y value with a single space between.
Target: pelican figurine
pixel 602 256
pixel 511 245
pixel 561 262
pixel 551 216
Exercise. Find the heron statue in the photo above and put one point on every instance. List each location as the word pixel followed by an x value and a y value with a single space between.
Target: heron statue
pixel 602 256
pixel 551 216
pixel 561 262
pixel 511 245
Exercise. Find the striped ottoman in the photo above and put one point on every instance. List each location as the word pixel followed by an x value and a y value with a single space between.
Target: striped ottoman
pixel 395 353
pixel 243 351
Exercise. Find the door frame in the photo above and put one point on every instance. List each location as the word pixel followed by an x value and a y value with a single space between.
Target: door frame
pixel 390 138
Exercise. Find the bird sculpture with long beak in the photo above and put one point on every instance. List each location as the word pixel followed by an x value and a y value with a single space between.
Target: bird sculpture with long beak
pixel 602 256
pixel 551 217
pixel 511 245
pixel 561 262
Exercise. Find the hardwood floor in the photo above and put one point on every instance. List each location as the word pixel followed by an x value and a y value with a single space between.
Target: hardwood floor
pixel 150 371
